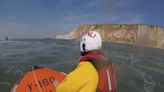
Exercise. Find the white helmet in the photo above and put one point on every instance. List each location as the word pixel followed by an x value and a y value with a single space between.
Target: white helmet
pixel 90 41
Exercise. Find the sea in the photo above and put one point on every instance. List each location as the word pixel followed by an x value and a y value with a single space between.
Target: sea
pixel 138 68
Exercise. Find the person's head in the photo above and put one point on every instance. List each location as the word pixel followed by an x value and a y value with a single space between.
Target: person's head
pixel 90 41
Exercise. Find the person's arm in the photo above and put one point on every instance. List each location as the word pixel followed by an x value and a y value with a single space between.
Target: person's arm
pixel 83 79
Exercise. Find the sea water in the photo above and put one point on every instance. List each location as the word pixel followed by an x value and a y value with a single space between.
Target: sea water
pixel 137 68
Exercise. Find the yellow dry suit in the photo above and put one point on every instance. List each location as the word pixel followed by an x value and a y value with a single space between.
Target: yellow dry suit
pixel 83 79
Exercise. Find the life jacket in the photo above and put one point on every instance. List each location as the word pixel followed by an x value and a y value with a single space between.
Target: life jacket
pixel 104 67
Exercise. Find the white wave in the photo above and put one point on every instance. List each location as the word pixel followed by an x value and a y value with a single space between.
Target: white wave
pixel 5 83
pixel 148 82
pixel 5 41
pixel 15 71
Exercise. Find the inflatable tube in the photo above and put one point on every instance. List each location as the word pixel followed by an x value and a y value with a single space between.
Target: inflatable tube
pixel 39 79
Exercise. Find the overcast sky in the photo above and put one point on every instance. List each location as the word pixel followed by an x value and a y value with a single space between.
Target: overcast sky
pixel 46 18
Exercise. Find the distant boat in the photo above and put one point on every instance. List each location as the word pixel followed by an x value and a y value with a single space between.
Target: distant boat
pixel 6 38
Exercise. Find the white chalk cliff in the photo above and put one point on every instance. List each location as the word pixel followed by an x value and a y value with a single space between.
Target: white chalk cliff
pixel 149 35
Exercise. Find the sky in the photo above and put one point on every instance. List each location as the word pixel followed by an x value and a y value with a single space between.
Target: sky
pixel 47 18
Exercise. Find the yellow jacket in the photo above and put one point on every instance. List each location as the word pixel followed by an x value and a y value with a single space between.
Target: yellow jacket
pixel 83 79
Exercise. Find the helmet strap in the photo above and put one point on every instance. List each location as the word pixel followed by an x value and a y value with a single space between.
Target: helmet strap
pixel 83 46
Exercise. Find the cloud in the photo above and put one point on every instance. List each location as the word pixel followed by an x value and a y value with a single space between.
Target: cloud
pixel 44 21
pixel 8 18
pixel 12 26
pixel 11 17
pixel 78 16
pixel 109 6
pixel 137 19
pixel 101 5
pixel 74 19
pixel 126 19
pixel 132 19
pixel 99 11
pixel 123 3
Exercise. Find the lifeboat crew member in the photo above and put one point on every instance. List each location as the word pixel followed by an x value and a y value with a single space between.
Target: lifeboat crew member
pixel 94 72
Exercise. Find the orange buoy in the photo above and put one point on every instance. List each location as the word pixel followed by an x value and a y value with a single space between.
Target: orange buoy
pixel 39 79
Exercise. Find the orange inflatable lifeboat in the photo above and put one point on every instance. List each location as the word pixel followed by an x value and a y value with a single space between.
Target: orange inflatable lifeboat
pixel 39 79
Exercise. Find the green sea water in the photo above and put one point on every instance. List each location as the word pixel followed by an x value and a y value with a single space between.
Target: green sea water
pixel 138 68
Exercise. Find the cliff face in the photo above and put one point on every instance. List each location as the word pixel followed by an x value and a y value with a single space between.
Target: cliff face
pixel 148 35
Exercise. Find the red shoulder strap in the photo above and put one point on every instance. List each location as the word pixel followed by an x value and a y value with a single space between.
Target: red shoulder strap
pixel 107 80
